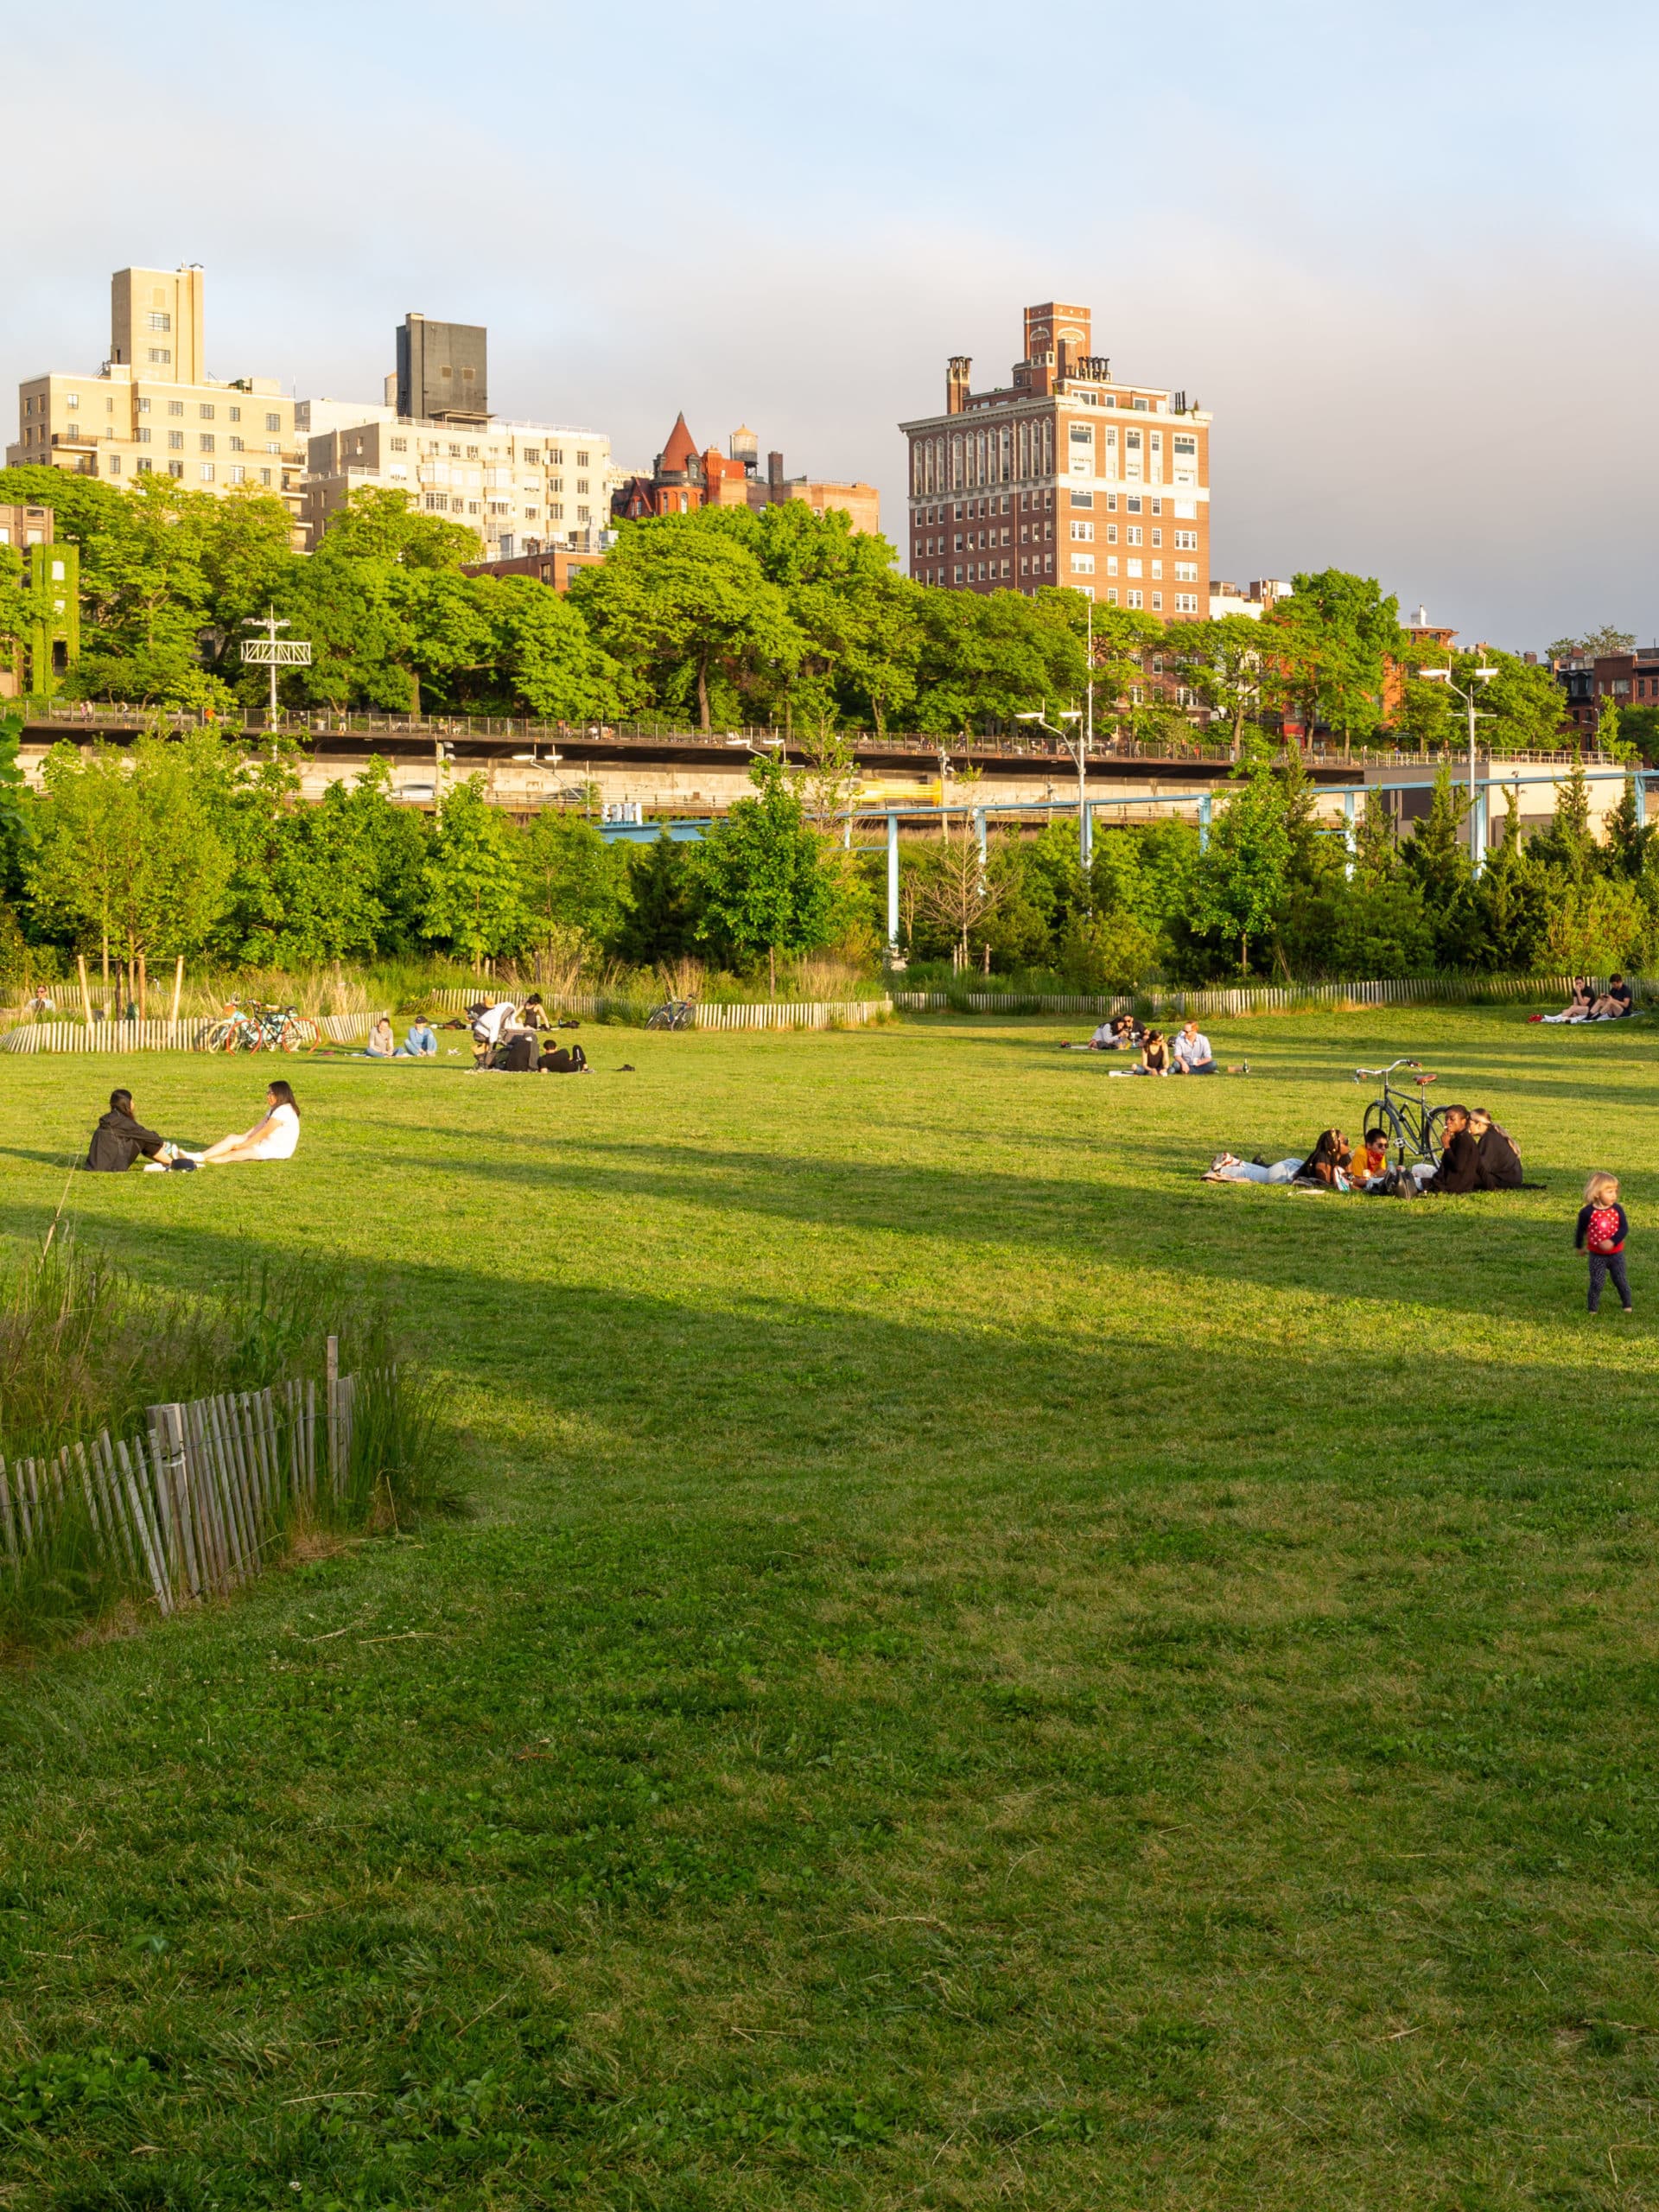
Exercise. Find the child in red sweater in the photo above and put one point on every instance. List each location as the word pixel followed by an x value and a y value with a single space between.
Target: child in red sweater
pixel 1603 1226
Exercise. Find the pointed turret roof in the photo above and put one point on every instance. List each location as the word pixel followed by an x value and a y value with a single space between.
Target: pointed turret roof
pixel 682 448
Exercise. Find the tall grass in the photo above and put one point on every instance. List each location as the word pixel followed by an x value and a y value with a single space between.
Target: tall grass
pixel 85 1347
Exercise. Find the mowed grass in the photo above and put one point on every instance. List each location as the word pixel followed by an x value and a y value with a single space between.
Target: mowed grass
pixel 981 1669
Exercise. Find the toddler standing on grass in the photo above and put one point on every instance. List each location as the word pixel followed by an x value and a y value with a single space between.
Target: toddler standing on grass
pixel 1603 1226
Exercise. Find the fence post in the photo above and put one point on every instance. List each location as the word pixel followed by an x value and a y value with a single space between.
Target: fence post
pixel 334 1416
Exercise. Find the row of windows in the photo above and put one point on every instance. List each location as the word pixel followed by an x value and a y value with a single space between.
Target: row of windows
pixel 441 503
pixel 205 410
pixel 237 474
pixel 1134 503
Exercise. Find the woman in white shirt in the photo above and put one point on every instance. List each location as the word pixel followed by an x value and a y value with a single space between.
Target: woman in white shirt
pixel 276 1137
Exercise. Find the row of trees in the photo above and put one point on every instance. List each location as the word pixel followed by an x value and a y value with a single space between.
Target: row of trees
pixel 185 846
pixel 784 618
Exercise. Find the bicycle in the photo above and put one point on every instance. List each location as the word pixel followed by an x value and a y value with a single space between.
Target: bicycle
pixel 676 1014
pixel 1410 1127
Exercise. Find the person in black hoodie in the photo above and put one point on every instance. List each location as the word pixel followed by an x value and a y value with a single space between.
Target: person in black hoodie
pixel 1498 1162
pixel 1459 1172
pixel 119 1139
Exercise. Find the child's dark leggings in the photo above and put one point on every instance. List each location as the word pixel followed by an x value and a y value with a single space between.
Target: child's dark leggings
pixel 1602 1264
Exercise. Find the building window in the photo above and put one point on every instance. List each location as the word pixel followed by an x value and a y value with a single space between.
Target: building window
pixel 204 410
pixel 175 439
pixel 156 321
pixel 176 468
pixel 271 446
pixel 144 468
pixel 1083 532
pixel 400 445
pixel 1082 498
pixel 1186 572
pixel 235 414
pixel 115 464
pixel 143 407
pixel 472 506
pixel 161 357
pixel 235 444
pixel 1186 541
pixel 1111 564
pixel 1157 568
pixel 239 474
pixel 1083 564
pixel 582 461
pixel 1186 602
pixel 143 434
pixel 1154 506
pixel 583 515
pixel 437 503
pixel 207 471
pixel 265 476
pixel 1132 534
pixel 273 421
pixel 581 485
pixel 176 407
pixel 556 456
pixel 205 440
pixel 1132 505
pixel 1132 599
pixel 72 399
pixel 1157 601
pixel 532 454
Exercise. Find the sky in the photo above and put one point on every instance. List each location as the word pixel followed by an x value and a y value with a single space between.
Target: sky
pixel 1406 254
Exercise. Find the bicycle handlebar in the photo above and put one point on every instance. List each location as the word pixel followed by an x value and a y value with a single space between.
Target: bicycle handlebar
pixel 1380 1072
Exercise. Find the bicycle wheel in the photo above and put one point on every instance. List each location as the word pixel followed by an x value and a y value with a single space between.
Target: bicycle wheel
pixel 661 1019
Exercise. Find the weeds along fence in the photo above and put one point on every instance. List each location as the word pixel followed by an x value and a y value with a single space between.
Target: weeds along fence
pixel 706 1013
pixel 195 1508
pixel 1409 990
pixel 147 1036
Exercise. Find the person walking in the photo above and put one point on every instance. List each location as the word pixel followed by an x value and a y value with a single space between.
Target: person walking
pixel 1603 1227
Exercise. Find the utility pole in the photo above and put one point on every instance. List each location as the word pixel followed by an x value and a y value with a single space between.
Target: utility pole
pixel 273 652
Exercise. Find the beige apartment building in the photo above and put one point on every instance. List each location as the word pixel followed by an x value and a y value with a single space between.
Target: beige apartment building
pixel 522 486
pixel 1066 476
pixel 152 406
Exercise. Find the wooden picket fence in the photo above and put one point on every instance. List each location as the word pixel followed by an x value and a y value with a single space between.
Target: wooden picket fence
pixel 750 1013
pixel 148 1036
pixel 1408 990
pixel 194 1508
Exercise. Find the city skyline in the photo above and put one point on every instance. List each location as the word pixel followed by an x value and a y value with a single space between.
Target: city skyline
pixel 1355 246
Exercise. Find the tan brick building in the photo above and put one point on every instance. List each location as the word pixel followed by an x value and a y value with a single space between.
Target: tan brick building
pixel 153 406
pixel 1066 476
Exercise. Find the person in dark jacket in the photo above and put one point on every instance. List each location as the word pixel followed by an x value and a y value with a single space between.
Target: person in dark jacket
pixel 119 1139
pixel 1459 1172
pixel 570 1060
pixel 1498 1162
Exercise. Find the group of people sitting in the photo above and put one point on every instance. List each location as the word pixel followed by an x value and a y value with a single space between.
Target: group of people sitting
pixel 121 1138
pixel 1189 1055
pixel 1588 1004
pixel 509 1036
pixel 1479 1154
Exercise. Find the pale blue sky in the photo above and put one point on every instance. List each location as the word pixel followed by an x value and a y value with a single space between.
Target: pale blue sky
pixel 1408 259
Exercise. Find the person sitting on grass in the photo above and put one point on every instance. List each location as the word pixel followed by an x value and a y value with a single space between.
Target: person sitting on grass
pixel 1155 1054
pixel 421 1044
pixel 1193 1053
pixel 119 1139
pixel 1498 1162
pixel 1577 1007
pixel 275 1136
pixel 1459 1172
pixel 383 1042
pixel 1117 1034
pixel 1370 1162
pixel 1615 1002
pixel 533 1013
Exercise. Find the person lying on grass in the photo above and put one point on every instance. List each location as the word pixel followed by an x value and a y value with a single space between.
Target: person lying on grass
pixel 120 1138
pixel 1327 1164
pixel 275 1136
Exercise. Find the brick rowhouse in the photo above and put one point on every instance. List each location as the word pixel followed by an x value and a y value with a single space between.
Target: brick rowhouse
pixel 1067 476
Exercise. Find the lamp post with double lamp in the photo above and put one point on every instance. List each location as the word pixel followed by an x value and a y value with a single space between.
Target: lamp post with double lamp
pixel 1480 677
pixel 1077 742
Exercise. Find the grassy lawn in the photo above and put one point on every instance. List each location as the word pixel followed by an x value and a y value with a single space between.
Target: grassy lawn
pixel 981 1669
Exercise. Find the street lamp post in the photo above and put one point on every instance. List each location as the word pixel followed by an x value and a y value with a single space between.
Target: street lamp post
pixel 1480 677
pixel 272 651
pixel 1076 743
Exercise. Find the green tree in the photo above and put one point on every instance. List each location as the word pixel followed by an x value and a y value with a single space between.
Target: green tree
pixel 127 854
pixel 573 878
pixel 1568 845
pixel 1241 879
pixel 1526 705
pixel 472 879
pixel 688 613
pixel 1334 638
pixel 1223 661
pixel 1439 860
pixel 660 922
pixel 764 883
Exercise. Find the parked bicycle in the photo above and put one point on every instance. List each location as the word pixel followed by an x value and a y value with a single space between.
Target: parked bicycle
pixel 1412 1129
pixel 676 1014
pixel 260 1029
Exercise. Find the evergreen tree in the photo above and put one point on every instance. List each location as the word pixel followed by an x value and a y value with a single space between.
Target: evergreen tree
pixel 659 922
pixel 1626 851
pixel 1439 860
pixel 474 895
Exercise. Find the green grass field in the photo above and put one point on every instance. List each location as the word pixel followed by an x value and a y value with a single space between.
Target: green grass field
pixel 981 1669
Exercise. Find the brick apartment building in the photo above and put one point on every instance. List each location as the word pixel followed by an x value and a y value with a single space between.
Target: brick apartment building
pixel 1066 476
pixel 685 478
pixel 1627 679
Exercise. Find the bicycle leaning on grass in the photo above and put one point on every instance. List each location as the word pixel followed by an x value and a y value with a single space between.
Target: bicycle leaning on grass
pixel 1411 1128
pixel 676 1014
